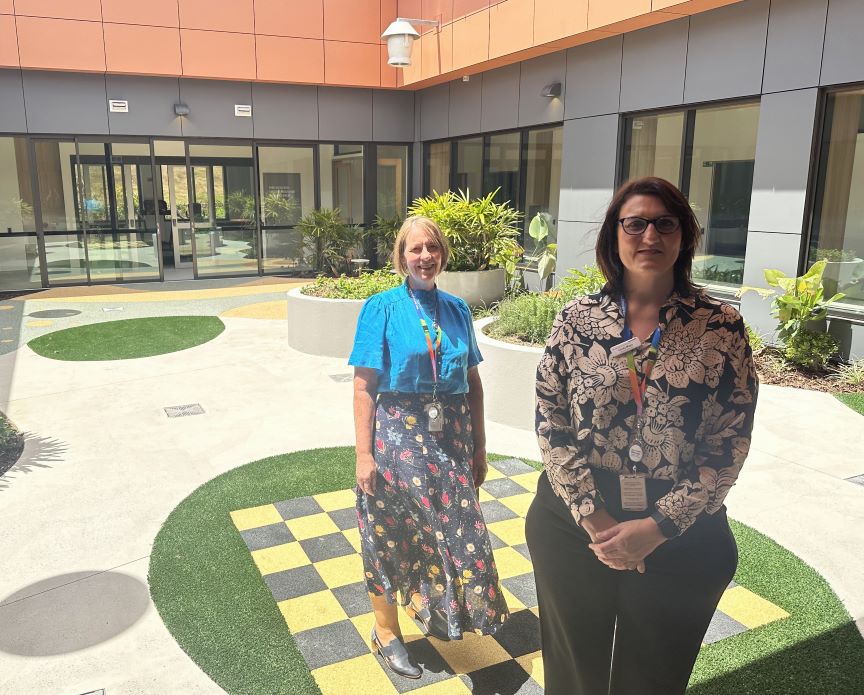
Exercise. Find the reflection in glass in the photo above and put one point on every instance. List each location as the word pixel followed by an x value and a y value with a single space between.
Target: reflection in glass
pixel 392 174
pixel 19 255
pixel 469 166
pixel 654 146
pixel 342 181
pixel 542 181
pixel 287 191
pixel 838 221
pixel 503 171
pixel 438 163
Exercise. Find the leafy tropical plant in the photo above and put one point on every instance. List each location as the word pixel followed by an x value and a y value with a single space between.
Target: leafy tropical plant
pixel 328 240
pixel 360 287
pixel 482 233
pixel 527 317
pixel 810 349
pixel 384 230
pixel 756 339
pixel 544 254
pixel 578 283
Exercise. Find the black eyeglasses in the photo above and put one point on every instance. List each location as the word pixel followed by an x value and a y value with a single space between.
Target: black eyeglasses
pixel 665 224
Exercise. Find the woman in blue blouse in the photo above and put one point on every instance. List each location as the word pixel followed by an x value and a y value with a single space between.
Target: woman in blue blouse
pixel 421 454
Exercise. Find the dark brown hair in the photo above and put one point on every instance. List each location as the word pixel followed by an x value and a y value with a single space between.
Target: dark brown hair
pixel 674 201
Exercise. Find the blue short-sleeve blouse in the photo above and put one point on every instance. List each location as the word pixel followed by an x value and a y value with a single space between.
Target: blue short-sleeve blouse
pixel 390 340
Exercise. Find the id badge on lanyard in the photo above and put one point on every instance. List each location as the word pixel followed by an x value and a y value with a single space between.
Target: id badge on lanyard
pixel 434 411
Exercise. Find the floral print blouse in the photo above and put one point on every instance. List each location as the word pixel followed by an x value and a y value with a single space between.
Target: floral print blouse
pixel 698 412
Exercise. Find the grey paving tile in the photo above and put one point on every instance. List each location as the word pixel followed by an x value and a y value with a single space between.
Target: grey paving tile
pixel 353 598
pixel 520 634
pixel 512 467
pixel 435 669
pixel 722 626
pixel 322 646
pixel 507 677
pixel 344 518
pixel 294 582
pixel 301 506
pixel 325 547
pixel 522 587
pixel 503 487
pixel 495 541
pixel 522 549
pixel 267 536
pixel 494 511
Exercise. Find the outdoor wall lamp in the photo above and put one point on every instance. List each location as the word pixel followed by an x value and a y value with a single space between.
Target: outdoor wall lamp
pixel 400 37
pixel 551 90
pixel 181 109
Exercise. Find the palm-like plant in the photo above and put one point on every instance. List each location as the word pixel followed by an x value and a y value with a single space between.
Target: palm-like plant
pixel 328 240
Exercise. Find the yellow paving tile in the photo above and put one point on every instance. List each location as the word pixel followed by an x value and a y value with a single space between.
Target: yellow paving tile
pixel 364 623
pixel 527 480
pixel 513 603
pixel 276 310
pixel 333 501
pixel 340 571
pixel 353 536
pixel 361 675
pixel 749 609
pixel 493 473
pixel 471 653
pixel 278 558
pixel 244 519
pixel 511 531
pixel 510 563
pixel 169 296
pixel 518 503
pixel 304 527
pixel 311 610
pixel 452 686
pixel 484 496
pixel 39 323
pixel 533 663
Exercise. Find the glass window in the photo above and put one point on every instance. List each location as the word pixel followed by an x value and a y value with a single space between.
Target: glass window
pixel 654 146
pixel 392 175
pixel 542 180
pixel 469 166
pixel 502 173
pixel 19 256
pixel 342 180
pixel 438 167
pixel 837 233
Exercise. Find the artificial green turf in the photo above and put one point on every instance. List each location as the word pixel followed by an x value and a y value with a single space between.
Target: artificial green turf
pixel 127 339
pixel 211 597
pixel 853 400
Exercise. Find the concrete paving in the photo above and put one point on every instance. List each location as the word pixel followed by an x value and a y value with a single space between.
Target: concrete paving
pixel 103 467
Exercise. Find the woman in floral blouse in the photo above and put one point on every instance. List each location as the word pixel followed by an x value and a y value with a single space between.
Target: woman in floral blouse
pixel 645 401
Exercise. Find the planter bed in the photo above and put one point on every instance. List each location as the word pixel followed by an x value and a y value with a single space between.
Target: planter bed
pixel 322 327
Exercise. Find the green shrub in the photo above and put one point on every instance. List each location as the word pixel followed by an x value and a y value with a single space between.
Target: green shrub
pixel 851 374
pixel 527 317
pixel 757 340
pixel 11 444
pixel 810 349
pixel 329 240
pixel 834 255
pixel 361 287
pixel 578 283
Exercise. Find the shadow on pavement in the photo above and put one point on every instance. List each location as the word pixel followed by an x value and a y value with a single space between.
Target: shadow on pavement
pixel 39 452
pixel 70 612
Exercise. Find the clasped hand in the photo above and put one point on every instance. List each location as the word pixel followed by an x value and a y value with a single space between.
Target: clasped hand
pixel 625 545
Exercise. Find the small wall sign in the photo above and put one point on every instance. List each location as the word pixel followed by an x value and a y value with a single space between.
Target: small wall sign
pixel 118 106
pixel 243 110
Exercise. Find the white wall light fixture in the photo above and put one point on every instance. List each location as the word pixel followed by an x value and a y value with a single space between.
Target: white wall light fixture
pixel 181 109
pixel 400 36
pixel 551 90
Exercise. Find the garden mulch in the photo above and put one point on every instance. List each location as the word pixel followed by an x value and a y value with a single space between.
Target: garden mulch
pixel 773 370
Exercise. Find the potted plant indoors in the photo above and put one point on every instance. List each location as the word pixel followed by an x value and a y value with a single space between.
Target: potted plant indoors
pixel 483 243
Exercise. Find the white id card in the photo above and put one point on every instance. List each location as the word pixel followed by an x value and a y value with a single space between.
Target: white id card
pixel 634 496
pixel 625 347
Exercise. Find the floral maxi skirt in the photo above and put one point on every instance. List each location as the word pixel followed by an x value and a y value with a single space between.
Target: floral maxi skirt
pixel 423 530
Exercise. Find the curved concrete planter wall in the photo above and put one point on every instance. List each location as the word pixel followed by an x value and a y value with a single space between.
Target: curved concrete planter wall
pixel 323 327
pixel 476 287
pixel 508 372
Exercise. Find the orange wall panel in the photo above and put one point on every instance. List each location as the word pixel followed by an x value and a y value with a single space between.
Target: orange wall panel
pixel 554 19
pixel 45 43
pixel 471 40
pixel 389 12
pixel 230 15
pixel 142 50
pixel 352 20
pixel 218 54
pixel 298 18
pixel 7 7
pixel 462 8
pixel 60 9
pixel 511 27
pixel 353 64
pixel 286 59
pixel 437 52
pixel 8 42
pixel 442 10
pixel 602 12
pixel 159 13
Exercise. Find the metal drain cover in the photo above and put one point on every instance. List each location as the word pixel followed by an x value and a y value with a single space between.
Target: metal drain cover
pixel 54 313
pixel 342 378
pixel 857 479
pixel 184 410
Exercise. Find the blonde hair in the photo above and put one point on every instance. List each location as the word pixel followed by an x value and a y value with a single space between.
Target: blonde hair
pixel 433 233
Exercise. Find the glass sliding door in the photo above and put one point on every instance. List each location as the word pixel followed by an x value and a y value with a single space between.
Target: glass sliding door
pixel 19 247
pixel 654 146
pixel 286 180
pixel 392 181
pixel 223 210
pixel 342 181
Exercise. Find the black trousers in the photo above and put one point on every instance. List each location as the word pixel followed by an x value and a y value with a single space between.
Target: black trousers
pixel 657 620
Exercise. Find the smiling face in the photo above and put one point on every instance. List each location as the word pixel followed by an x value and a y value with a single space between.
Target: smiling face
pixel 422 258
pixel 649 254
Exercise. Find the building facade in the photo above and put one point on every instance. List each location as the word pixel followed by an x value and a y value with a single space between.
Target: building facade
pixel 194 139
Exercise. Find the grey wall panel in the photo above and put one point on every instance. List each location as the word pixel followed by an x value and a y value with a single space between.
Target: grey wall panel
pixel 433 105
pixel 392 115
pixel 593 78
pixel 344 113
pixel 794 50
pixel 285 111
pixel 726 52
pixel 151 105
pixel 12 116
pixel 500 98
pixel 417 170
pixel 465 106
pixel 588 167
pixel 783 153
pixel 65 103
pixel 843 56
pixel 535 75
pixel 576 242
pixel 211 108
pixel 850 338
pixel 653 66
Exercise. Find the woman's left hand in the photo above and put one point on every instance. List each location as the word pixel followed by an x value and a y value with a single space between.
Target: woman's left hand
pixel 479 466
pixel 626 545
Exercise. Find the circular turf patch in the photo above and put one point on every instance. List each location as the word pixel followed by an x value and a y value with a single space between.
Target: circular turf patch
pixel 127 339
pixel 213 600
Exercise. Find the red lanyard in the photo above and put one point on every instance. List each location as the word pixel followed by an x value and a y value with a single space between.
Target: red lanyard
pixel 433 351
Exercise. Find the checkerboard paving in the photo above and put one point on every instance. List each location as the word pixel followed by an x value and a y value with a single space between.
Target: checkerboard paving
pixel 307 550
